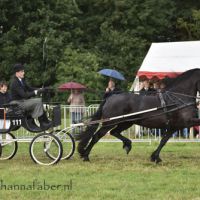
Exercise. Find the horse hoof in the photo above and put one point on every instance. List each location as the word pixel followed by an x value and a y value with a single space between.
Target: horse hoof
pixel 155 159
pixel 80 150
pixel 86 159
pixel 127 149
pixel 158 160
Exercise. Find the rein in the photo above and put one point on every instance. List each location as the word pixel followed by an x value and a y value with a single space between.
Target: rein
pixel 171 95
pixel 166 112
pixel 181 94
pixel 121 116
pixel 131 114
pixel 167 92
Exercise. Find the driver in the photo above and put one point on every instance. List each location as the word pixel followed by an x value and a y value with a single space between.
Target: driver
pixel 22 94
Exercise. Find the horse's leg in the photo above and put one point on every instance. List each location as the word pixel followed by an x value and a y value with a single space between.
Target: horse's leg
pixel 127 144
pixel 155 155
pixel 85 138
pixel 96 137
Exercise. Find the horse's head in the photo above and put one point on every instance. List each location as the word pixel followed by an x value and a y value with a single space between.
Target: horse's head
pixel 187 83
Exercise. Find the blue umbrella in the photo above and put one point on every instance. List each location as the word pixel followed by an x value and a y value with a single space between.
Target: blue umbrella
pixel 112 73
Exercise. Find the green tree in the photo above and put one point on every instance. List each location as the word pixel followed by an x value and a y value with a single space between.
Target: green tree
pixel 189 28
pixel 121 31
pixel 26 24
pixel 94 34
pixel 80 66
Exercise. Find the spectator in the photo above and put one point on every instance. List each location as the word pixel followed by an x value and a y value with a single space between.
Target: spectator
pixel 197 128
pixel 156 85
pixel 146 89
pixel 77 102
pixel 162 86
pixel 111 89
pixel 141 85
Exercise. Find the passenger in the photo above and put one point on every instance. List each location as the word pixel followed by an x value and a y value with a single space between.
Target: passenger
pixel 4 95
pixel 4 99
pixel 22 93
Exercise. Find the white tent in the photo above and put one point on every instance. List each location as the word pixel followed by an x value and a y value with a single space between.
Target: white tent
pixel 169 59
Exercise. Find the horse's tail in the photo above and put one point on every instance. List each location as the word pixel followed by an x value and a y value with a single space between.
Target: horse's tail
pixel 85 136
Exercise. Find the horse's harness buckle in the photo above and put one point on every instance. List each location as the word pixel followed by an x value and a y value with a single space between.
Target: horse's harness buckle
pixel 163 104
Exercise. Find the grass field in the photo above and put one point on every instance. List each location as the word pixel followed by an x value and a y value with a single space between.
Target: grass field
pixel 111 174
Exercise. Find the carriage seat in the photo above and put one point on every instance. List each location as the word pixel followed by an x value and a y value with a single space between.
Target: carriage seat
pixel 12 111
pixel 18 118
pixel 10 117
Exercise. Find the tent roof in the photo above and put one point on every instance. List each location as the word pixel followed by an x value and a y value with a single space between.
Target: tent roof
pixel 170 59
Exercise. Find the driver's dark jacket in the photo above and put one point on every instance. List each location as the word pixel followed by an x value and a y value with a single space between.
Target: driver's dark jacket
pixel 20 91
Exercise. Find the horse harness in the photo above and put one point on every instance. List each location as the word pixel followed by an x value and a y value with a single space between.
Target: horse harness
pixel 178 102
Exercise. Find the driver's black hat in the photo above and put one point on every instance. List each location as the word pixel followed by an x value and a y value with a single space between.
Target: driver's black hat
pixel 18 67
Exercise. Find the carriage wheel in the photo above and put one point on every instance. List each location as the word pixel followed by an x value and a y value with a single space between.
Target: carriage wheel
pixel 9 146
pixel 44 144
pixel 68 144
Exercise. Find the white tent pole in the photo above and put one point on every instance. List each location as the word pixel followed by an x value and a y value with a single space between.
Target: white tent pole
pixel 135 85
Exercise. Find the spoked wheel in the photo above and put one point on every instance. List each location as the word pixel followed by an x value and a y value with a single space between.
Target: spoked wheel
pixel 9 146
pixel 68 144
pixel 44 144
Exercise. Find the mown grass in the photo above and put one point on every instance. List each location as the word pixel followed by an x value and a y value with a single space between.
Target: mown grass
pixel 111 174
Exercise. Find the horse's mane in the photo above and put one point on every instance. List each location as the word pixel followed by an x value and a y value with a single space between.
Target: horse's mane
pixel 169 82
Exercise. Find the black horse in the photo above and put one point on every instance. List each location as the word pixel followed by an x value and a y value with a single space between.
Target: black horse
pixel 176 109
